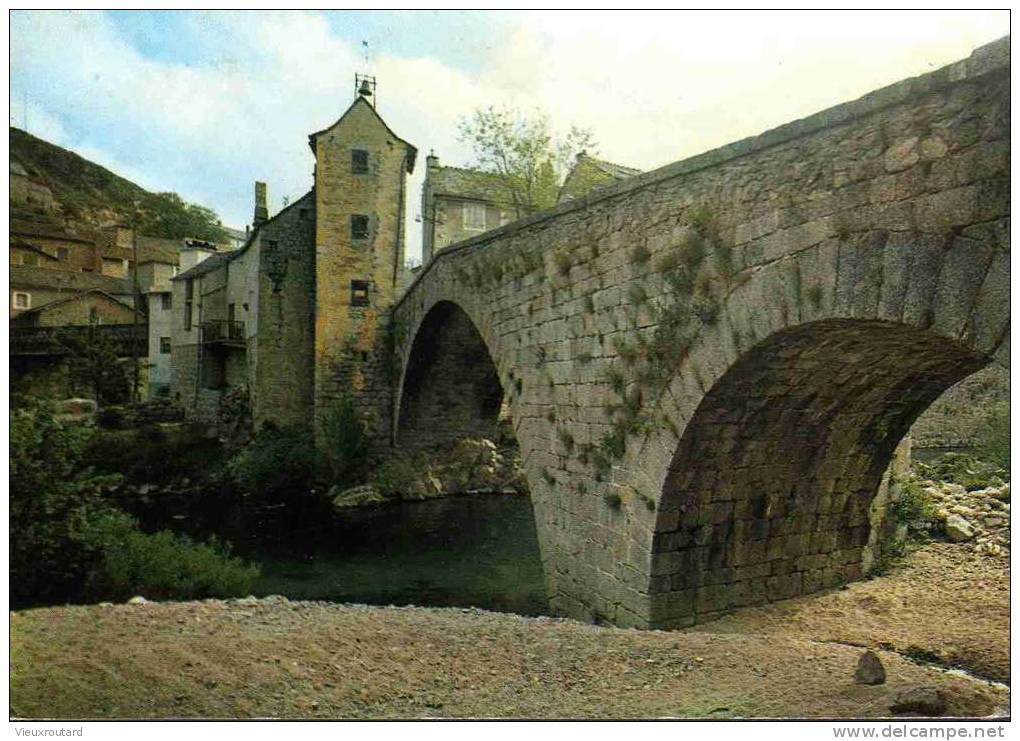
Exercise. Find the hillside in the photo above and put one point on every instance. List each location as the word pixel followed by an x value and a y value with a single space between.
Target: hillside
pixel 92 195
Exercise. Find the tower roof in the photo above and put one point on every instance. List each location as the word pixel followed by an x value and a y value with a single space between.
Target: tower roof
pixel 412 151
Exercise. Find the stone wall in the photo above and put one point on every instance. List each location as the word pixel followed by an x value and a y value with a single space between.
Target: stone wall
pixel 709 365
pixel 283 378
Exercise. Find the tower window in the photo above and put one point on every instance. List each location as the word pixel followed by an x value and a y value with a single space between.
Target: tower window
pixel 359 293
pixel 359 226
pixel 22 300
pixel 359 161
pixel 474 217
pixel 167 301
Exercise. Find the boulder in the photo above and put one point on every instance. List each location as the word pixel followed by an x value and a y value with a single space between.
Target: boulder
pixel 869 669
pixel 958 529
pixel 356 496
pixel 919 701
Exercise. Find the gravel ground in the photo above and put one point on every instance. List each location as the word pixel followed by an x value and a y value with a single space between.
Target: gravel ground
pixel 274 658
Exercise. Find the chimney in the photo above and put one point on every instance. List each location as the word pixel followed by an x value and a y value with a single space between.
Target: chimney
pixel 261 204
pixel 431 161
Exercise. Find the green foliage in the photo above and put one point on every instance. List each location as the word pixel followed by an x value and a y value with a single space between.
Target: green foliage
pixel 612 500
pixel 94 366
pixel 88 192
pixel 397 476
pixel 566 438
pixel 640 254
pixel 814 295
pixel 963 469
pixel 526 162
pixel 344 442
pixel 993 441
pixel 162 565
pixel 278 464
pixel 891 554
pixel 914 506
pixel 155 453
pixel 51 496
pixel 637 294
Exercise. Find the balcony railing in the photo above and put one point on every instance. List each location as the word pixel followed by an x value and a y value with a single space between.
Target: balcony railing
pixel 223 332
pixel 126 340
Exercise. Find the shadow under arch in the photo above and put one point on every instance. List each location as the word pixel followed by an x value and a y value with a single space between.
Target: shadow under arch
pixel 450 387
pixel 769 489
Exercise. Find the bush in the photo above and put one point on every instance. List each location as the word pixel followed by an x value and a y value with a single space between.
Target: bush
pixel 155 453
pixel 163 565
pixel 277 464
pixel 965 470
pixel 344 443
pixel 993 442
pixel 51 497
pixel 398 477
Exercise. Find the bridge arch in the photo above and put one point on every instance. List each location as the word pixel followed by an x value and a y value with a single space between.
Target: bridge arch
pixel 449 387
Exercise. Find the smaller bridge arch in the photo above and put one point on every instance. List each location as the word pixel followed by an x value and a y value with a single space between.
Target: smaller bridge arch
pixel 449 387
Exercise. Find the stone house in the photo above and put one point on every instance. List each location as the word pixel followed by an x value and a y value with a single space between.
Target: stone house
pixel 298 315
pixel 589 173
pixel 458 203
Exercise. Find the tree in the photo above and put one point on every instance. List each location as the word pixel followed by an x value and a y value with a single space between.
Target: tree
pixel 528 162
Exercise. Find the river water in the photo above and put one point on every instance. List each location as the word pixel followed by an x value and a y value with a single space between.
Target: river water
pixel 468 551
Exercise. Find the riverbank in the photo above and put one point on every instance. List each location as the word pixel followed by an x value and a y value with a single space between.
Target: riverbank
pixel 276 658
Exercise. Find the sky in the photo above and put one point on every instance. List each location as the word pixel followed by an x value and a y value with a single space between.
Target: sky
pixel 205 103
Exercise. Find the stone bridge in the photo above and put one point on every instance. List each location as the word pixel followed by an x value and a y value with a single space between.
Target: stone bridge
pixel 709 366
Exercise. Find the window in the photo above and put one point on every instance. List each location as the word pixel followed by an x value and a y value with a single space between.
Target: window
pixel 94 317
pixel 474 217
pixel 22 300
pixel 164 345
pixel 359 161
pixel 359 226
pixel 167 301
pixel 359 293
pixel 303 214
pixel 63 254
pixel 189 291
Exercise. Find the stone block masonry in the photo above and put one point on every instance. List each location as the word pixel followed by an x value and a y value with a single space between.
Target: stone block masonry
pixel 709 366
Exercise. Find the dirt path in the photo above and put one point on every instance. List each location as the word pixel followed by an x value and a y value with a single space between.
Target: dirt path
pixel 273 658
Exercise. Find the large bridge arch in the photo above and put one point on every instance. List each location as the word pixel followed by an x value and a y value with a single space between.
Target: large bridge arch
pixel 867 246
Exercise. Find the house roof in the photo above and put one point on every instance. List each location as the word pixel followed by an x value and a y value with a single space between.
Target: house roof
pixel 411 149
pixel 25 276
pixel 155 249
pixel 77 297
pixel 213 262
pixel 613 170
pixel 465 183
pixel 22 244
pixel 28 228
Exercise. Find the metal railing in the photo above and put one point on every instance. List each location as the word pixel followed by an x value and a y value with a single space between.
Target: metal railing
pixel 222 331
pixel 126 340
